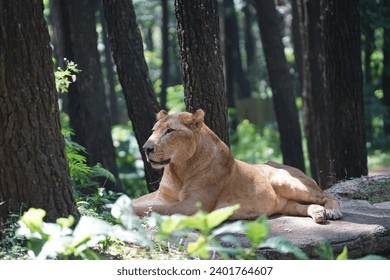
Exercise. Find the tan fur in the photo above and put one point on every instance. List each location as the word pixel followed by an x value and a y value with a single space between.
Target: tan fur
pixel 201 171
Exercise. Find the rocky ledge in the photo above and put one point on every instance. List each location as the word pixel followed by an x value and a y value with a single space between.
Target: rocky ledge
pixel 364 227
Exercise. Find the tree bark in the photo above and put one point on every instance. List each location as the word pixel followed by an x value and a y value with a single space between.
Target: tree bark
pixel 313 91
pixel 201 62
pixel 233 64
pixel 109 65
pixel 34 171
pixel 281 83
pixel 88 112
pixel 386 74
pixel 126 45
pixel 344 88
pixel 165 54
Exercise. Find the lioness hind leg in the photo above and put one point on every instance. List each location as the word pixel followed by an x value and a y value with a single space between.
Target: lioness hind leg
pixel 292 184
pixel 315 211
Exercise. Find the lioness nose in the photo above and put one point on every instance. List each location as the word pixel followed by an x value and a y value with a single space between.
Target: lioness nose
pixel 148 148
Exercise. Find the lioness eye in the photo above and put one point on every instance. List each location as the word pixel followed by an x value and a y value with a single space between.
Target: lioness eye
pixel 170 130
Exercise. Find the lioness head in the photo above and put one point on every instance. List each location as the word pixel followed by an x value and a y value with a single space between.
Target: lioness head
pixel 174 138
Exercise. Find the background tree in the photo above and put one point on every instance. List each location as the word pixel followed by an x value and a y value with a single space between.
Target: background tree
pixel 385 8
pixel 344 88
pixel 127 48
pixel 236 80
pixel 87 107
pixel 281 84
pixel 201 62
pixel 165 53
pixel 313 89
pixel 34 170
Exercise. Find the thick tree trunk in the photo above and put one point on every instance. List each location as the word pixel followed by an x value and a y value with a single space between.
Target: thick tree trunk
pixel 201 62
pixel 88 112
pixel 344 88
pixel 34 171
pixel 281 83
pixel 128 53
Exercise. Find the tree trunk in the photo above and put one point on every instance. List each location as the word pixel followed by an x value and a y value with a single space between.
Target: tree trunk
pixel 165 54
pixel 281 84
pixel 109 65
pixel 313 92
pixel 201 62
pixel 386 77
pixel 250 44
pixel 233 53
pixel 34 171
pixel 60 25
pixel 88 112
pixel 128 53
pixel 343 80
pixel 297 5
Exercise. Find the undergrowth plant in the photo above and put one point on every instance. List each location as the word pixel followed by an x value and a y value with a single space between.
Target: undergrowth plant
pixel 59 240
pixel 209 235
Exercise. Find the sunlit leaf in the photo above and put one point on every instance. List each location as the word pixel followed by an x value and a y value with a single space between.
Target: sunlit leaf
pixel 343 255
pixel 33 219
pixel 218 216
pixel 198 248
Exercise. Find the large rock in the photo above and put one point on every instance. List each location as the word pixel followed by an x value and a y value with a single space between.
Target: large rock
pixel 364 227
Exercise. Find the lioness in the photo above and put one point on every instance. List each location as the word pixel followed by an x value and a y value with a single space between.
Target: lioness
pixel 199 167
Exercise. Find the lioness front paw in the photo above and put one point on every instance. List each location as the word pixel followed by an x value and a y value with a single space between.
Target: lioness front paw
pixel 333 214
pixel 317 212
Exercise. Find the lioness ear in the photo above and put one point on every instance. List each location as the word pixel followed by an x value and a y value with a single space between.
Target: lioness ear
pixel 161 114
pixel 198 118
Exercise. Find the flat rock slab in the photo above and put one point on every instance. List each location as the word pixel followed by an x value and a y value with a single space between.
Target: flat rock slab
pixel 364 227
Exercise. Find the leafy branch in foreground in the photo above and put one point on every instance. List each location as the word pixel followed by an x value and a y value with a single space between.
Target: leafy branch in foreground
pixel 222 240
pixel 59 240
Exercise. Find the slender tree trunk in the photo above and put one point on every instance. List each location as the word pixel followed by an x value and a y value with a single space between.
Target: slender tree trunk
pixel 297 5
pixel 233 53
pixel 369 45
pixel 34 171
pixel 281 84
pixel 109 65
pixel 128 53
pixel 88 112
pixel 60 24
pixel 314 91
pixel 386 77
pixel 250 44
pixel 344 88
pixel 165 54
pixel 201 62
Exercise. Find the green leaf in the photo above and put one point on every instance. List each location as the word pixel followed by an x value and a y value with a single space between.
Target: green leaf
pixel 372 257
pixel 257 230
pixel 218 216
pixel 344 254
pixel 33 219
pixel 197 221
pixel 198 248
pixel 172 223
pixel 89 254
pixel 284 246
pixel 65 222
pixel 229 228
pixel 324 251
